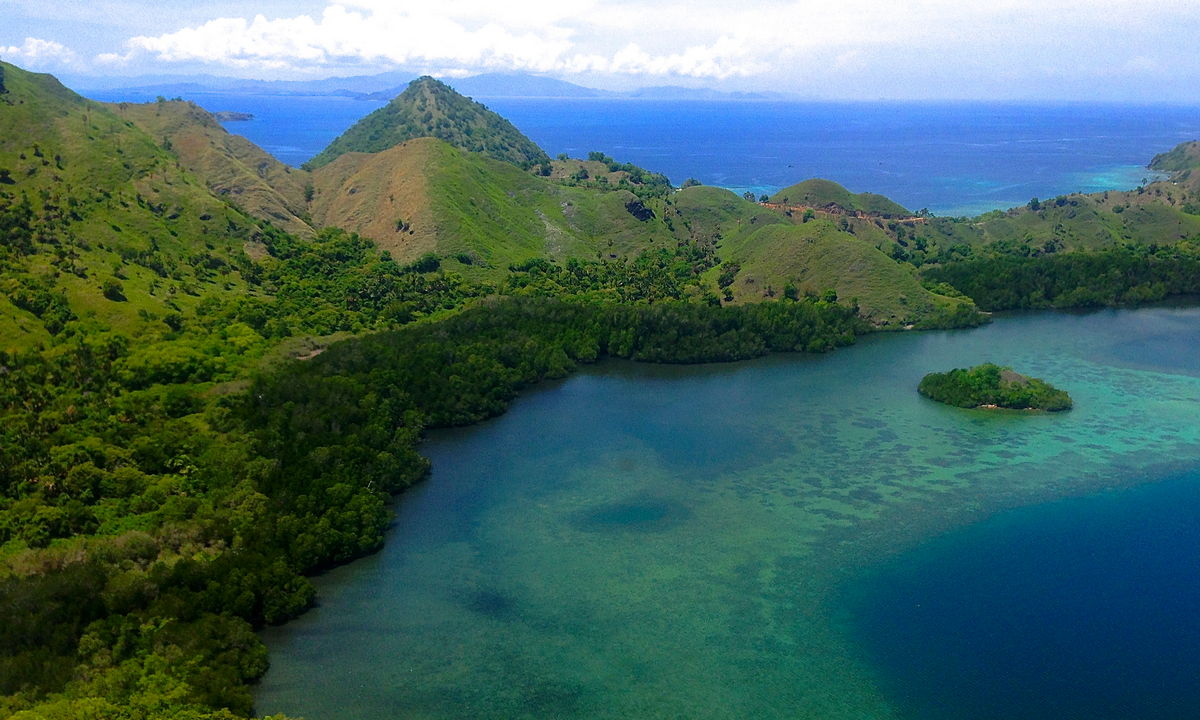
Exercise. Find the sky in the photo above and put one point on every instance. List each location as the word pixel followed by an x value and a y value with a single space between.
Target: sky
pixel 836 49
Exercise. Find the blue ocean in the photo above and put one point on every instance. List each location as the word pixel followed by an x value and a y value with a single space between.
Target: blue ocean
pixel 1081 608
pixel 951 158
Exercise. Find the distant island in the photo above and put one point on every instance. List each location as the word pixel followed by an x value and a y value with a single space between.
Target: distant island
pixel 230 116
pixel 992 386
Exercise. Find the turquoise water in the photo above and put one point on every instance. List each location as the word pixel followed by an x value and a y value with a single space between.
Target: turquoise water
pixel 648 541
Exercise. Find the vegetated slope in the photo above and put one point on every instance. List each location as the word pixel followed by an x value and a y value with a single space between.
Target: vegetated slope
pixel 232 166
pixel 818 193
pixel 1179 159
pixel 429 108
pixel 816 257
pixel 1156 213
pixel 1163 212
pixel 97 220
pixel 143 529
pixel 601 172
pixel 717 214
pixel 478 213
pixel 1076 250
pixel 765 254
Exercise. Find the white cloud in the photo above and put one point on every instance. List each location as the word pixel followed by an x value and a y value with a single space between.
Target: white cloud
pixel 938 47
pixel 40 54
pixel 566 36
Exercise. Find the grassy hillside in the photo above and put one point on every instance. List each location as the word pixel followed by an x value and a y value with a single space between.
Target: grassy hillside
pixel 1101 249
pixel 816 258
pixel 1179 159
pixel 479 214
pixel 601 172
pixel 231 166
pixel 715 213
pixel 164 491
pixel 100 221
pixel 429 108
pixel 384 196
pixel 766 254
pixel 819 193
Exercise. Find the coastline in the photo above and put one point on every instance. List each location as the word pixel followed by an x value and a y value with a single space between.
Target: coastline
pixel 853 524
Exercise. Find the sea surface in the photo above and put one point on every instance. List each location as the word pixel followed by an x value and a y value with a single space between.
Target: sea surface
pixel 796 536
pixel 952 158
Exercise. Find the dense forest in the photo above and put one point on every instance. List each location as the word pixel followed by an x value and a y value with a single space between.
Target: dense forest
pixel 1121 275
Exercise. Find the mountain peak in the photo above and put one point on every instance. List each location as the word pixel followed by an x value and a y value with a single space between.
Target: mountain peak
pixel 430 108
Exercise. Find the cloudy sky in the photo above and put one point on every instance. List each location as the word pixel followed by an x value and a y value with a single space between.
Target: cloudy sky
pixel 869 49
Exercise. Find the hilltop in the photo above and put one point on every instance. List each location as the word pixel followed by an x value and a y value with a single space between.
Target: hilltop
pixel 424 197
pixel 480 216
pixel 828 195
pixel 430 108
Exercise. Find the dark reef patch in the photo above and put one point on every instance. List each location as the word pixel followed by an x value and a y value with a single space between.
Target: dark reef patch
pixel 641 515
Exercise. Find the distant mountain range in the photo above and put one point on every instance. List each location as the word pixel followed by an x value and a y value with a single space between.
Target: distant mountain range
pixel 385 86
pixel 172 85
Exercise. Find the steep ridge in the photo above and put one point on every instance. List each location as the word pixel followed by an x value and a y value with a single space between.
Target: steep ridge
pixel 429 108
pixel 232 166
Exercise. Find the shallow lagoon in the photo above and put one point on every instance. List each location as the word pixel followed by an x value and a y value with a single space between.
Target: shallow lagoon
pixel 650 541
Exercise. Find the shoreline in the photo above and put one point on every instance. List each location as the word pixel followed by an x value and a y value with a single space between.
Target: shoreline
pixel 829 554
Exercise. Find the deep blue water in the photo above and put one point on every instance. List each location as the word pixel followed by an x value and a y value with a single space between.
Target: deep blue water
pixel 1085 608
pixel 292 128
pixel 953 158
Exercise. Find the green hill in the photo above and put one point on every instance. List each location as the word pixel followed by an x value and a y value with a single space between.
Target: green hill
pixel 99 222
pixel 479 214
pixel 429 108
pixel 821 194
pixel 167 480
pixel 1181 158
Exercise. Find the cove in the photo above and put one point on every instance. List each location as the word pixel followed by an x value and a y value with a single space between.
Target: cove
pixel 676 541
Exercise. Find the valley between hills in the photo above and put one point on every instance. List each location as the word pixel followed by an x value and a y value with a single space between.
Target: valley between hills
pixel 216 369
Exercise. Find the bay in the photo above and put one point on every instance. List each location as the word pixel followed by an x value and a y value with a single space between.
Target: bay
pixel 652 541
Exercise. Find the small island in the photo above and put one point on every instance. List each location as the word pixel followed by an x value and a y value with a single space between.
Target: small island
pixel 230 116
pixel 992 386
